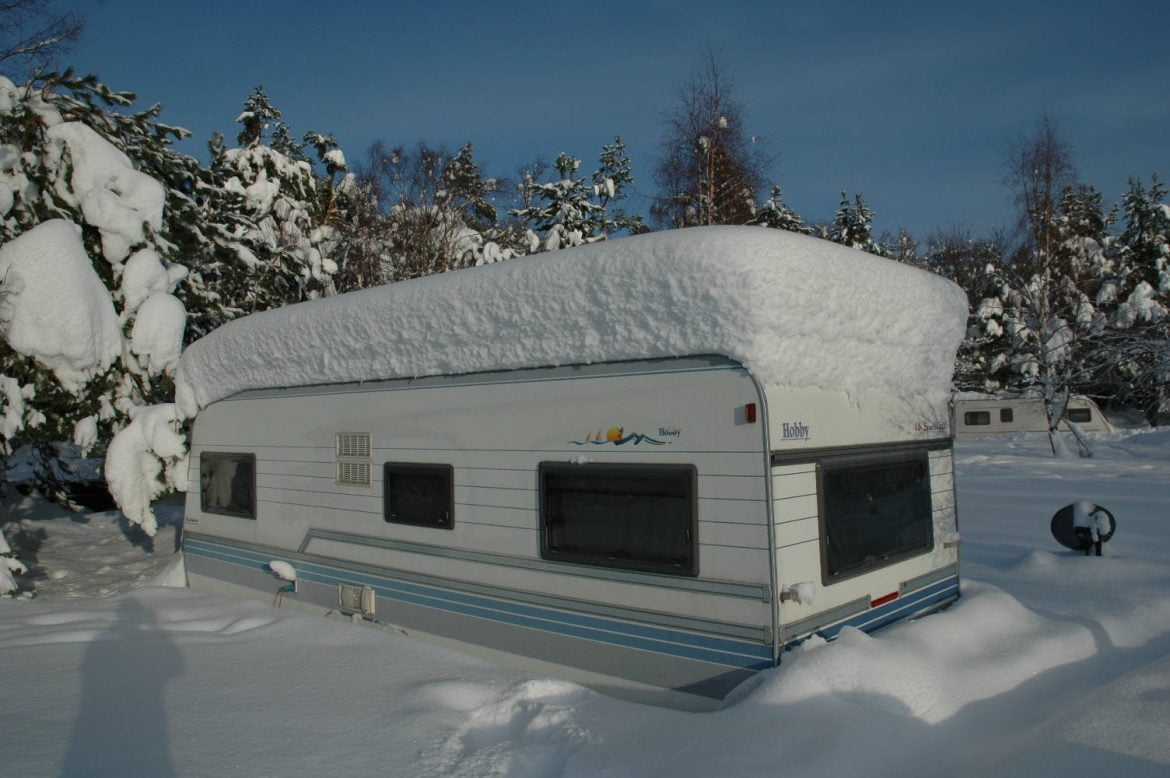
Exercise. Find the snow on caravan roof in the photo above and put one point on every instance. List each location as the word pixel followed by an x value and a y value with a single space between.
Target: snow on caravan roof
pixel 796 311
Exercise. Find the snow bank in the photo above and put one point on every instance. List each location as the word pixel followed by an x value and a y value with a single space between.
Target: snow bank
pixel 795 310
pixel 53 306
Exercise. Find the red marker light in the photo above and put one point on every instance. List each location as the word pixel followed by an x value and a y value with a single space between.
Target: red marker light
pixel 883 600
pixel 749 413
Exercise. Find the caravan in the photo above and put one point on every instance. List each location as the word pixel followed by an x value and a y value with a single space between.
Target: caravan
pixel 652 463
pixel 976 415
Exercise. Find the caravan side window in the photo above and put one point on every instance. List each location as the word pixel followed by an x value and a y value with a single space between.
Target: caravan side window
pixel 1006 415
pixel 1079 415
pixel 875 510
pixel 977 418
pixel 227 484
pixel 637 517
pixel 422 494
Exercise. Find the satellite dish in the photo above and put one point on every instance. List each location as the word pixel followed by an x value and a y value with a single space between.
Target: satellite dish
pixel 1083 526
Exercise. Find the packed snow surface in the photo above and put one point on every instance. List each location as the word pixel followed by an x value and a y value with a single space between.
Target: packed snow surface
pixel 795 310
pixel 53 306
pixel 1051 664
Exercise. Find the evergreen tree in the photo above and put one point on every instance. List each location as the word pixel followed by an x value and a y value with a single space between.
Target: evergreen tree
pixel 776 214
pixel 563 211
pixel 853 225
pixel 610 181
pixel 276 209
pixel 99 197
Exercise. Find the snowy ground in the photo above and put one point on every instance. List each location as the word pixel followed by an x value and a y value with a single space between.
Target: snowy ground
pixel 1051 663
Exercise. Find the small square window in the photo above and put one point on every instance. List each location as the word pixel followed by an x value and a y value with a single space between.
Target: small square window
pixel 1079 415
pixel 977 418
pixel 227 484
pixel 419 494
pixel 1006 415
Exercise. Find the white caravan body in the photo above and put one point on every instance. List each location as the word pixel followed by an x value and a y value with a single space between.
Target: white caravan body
pixel 669 522
pixel 975 416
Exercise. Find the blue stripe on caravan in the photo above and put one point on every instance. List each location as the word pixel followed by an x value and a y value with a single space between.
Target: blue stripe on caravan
pixel 657 640
pixel 876 618
pixel 336 575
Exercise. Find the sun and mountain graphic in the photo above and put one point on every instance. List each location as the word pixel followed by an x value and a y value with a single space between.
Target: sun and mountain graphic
pixel 616 436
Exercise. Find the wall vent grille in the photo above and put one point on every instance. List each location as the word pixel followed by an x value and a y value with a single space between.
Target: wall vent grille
pixel 353 444
pixel 353 473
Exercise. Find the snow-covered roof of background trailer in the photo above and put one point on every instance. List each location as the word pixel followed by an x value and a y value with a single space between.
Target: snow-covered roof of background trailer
pixel 796 311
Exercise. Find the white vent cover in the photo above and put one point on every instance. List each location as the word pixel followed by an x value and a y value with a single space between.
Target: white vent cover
pixel 353 444
pixel 356 599
pixel 353 473
pixel 353 458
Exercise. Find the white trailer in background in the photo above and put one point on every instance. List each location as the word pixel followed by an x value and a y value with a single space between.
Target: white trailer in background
pixel 652 463
pixel 976 415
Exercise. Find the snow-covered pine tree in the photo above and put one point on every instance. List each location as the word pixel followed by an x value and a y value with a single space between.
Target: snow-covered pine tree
pixel 853 225
pixel 775 213
pixel 273 195
pixel 1135 352
pixel 96 210
pixel 563 212
pixel 610 181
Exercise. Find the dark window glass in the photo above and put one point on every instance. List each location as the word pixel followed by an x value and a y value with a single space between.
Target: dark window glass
pixel 976 418
pixel 1006 415
pixel 640 517
pixel 419 494
pixel 227 484
pixel 874 512
pixel 1079 415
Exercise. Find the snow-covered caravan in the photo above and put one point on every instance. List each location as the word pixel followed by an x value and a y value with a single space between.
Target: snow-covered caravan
pixel 976 415
pixel 654 462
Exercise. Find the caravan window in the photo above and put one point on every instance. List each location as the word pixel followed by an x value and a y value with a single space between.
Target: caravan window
pixel 1006 415
pixel 1079 415
pixel 977 418
pixel 638 517
pixel 875 510
pixel 227 484
pixel 421 494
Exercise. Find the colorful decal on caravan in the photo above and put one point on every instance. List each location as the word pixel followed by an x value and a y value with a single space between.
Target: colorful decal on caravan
pixel 618 437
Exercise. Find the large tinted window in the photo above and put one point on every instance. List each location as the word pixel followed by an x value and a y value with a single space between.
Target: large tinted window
pixel 976 418
pixel 419 494
pixel 874 512
pixel 1079 415
pixel 227 484
pixel 640 517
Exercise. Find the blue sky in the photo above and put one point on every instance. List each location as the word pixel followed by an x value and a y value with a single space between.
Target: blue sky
pixel 911 103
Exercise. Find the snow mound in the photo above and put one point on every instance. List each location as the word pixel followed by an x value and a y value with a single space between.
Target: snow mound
pixel 795 310
pixel 54 307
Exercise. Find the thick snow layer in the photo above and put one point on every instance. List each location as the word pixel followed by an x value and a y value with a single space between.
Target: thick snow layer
pixel 137 456
pixel 795 310
pixel 157 335
pixel 53 306
pixel 113 196
pixel 1051 664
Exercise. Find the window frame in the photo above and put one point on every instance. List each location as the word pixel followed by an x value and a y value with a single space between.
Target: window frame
pixel 624 470
pixel 1085 414
pixel 827 464
pixel 976 418
pixel 238 457
pixel 445 470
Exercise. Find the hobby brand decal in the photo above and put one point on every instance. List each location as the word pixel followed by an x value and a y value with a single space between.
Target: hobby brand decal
pixel 618 436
